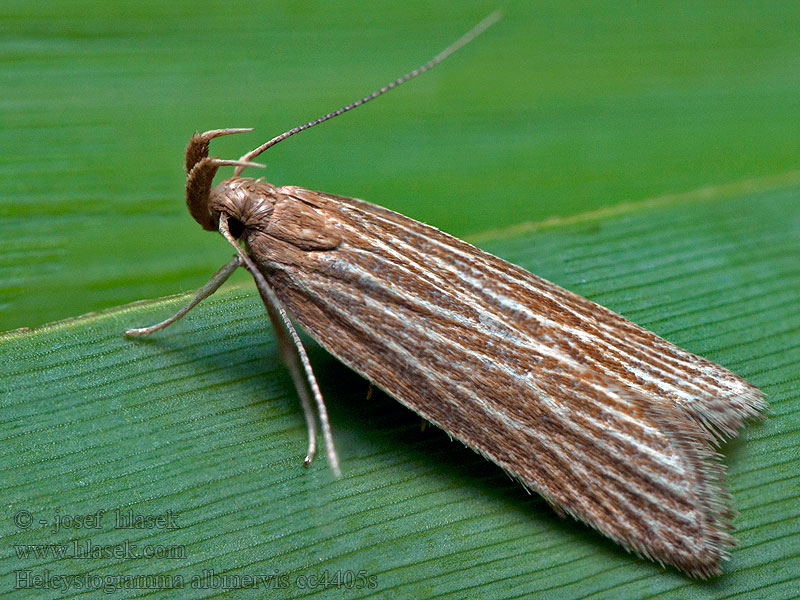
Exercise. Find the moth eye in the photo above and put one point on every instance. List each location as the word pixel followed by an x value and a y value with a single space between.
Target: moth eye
pixel 236 227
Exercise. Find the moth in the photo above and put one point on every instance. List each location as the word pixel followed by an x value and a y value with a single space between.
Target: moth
pixel 610 423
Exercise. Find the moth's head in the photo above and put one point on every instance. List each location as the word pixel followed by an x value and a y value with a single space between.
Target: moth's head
pixel 232 197
pixel 247 203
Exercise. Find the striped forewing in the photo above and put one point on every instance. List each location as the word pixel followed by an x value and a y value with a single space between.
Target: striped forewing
pixel 604 419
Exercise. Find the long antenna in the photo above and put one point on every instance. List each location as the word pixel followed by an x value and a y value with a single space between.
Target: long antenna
pixel 459 43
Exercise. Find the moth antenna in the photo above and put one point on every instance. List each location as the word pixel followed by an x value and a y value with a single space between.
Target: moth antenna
pixel 459 43
pixel 294 354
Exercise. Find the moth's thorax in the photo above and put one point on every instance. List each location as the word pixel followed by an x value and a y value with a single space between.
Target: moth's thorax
pixel 265 216
pixel 249 201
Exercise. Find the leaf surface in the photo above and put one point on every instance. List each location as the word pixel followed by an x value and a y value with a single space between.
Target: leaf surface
pixel 201 422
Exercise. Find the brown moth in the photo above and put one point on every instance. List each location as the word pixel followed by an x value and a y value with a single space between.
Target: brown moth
pixel 607 421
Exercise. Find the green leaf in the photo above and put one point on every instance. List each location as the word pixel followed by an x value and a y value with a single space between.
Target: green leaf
pixel 201 422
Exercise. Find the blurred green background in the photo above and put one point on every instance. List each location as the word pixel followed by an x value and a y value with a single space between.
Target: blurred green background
pixel 560 108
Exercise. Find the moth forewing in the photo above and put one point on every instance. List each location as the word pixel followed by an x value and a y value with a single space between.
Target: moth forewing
pixel 607 421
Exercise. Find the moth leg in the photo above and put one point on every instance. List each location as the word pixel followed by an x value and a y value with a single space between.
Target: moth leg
pixel 294 354
pixel 290 358
pixel 204 292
